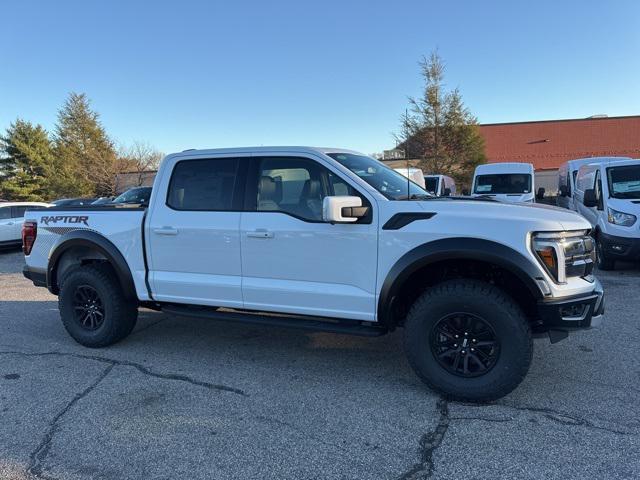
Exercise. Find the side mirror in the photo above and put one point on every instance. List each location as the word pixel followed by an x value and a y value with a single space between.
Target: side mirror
pixel 343 209
pixel 447 192
pixel 563 190
pixel 540 194
pixel 590 200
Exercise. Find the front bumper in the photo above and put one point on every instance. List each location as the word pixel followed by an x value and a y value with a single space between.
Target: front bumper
pixel 573 313
pixel 623 248
pixel 38 277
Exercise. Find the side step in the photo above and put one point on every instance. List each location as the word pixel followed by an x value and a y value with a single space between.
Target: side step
pixel 317 324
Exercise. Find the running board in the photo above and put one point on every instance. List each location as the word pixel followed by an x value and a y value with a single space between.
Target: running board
pixel 316 324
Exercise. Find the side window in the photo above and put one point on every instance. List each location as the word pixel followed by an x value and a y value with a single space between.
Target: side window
pixel 291 185
pixel 203 185
pixel 5 213
pixel 18 212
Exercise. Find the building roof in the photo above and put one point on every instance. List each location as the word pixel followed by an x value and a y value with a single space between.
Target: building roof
pixel 548 143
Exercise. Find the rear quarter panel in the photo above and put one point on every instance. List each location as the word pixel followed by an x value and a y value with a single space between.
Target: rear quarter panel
pixel 121 226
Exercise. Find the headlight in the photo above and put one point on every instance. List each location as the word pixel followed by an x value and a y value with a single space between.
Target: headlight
pixel 620 218
pixel 565 254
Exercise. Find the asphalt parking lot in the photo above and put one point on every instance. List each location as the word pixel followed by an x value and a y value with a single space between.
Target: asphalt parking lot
pixel 196 399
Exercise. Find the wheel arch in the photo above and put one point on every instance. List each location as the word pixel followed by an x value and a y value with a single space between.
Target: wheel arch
pixel 453 249
pixel 81 246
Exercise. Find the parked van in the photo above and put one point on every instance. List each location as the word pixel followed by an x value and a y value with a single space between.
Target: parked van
pixel 414 174
pixel 440 185
pixel 510 182
pixel 608 195
pixel 567 178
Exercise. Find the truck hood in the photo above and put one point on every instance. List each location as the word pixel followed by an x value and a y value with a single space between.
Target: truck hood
pixel 537 217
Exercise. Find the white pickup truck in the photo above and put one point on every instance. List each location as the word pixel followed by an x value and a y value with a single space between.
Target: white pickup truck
pixel 326 240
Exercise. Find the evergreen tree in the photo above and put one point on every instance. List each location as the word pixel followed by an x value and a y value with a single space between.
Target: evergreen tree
pixel 27 164
pixel 439 130
pixel 85 155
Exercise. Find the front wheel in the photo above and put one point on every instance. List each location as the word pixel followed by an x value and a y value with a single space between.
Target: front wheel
pixel 602 261
pixel 468 340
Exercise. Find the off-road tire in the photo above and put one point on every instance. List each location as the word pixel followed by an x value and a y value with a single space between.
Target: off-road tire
pixel 120 314
pixel 498 310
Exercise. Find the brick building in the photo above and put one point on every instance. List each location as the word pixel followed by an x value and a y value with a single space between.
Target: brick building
pixel 547 144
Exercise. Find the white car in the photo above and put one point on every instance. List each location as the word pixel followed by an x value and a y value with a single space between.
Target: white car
pixel 11 219
pixel 567 174
pixel 327 240
pixel 509 182
pixel 607 194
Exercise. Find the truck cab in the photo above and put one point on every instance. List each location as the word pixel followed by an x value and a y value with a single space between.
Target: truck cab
pixel 325 239
pixel 508 182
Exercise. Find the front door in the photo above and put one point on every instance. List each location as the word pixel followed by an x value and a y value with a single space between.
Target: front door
pixel 294 262
pixel 193 234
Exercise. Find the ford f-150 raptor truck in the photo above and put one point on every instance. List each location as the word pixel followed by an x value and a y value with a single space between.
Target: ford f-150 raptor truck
pixel 327 240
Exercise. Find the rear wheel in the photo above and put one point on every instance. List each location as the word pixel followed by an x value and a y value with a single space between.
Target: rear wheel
pixel 93 307
pixel 468 340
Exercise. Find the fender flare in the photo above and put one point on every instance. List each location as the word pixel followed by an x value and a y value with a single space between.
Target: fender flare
pixel 461 248
pixel 94 241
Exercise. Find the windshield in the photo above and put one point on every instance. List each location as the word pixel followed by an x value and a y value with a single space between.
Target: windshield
pixel 505 183
pixel 431 184
pixel 624 182
pixel 387 181
pixel 135 195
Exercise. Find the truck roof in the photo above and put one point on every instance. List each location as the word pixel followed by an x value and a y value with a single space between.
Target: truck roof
pixel 245 150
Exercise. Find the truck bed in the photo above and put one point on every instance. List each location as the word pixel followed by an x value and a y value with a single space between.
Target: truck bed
pixel 120 225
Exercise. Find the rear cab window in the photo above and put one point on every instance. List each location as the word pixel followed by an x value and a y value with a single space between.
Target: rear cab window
pixel 205 185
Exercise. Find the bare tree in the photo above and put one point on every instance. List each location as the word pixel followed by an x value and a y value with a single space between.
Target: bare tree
pixel 140 159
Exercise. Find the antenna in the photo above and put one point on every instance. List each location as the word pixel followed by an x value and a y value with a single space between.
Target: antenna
pixel 406 142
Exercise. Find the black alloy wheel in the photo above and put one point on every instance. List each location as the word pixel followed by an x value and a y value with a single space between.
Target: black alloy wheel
pixel 464 344
pixel 88 307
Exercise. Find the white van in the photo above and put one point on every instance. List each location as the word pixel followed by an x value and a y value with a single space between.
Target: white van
pixel 567 178
pixel 608 195
pixel 413 174
pixel 510 182
pixel 440 185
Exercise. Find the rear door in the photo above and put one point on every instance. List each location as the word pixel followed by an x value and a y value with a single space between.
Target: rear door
pixel 193 232
pixel 294 262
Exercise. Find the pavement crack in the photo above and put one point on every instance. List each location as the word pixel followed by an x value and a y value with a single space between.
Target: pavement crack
pixel 562 418
pixel 141 368
pixel 429 443
pixel 39 455
pixel 483 419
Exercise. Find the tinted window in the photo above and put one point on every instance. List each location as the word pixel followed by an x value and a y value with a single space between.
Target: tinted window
pixel 503 183
pixel 5 213
pixel 292 185
pixel 18 212
pixel 431 184
pixel 203 184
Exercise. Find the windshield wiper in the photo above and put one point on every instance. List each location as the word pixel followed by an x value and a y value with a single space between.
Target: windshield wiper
pixel 416 196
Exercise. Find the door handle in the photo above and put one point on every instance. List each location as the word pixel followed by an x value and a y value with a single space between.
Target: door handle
pixel 166 231
pixel 260 233
pixel 10 223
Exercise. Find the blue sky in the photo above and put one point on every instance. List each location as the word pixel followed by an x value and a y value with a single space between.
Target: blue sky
pixel 188 74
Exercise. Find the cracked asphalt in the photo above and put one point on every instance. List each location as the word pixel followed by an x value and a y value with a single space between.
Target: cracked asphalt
pixel 197 399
